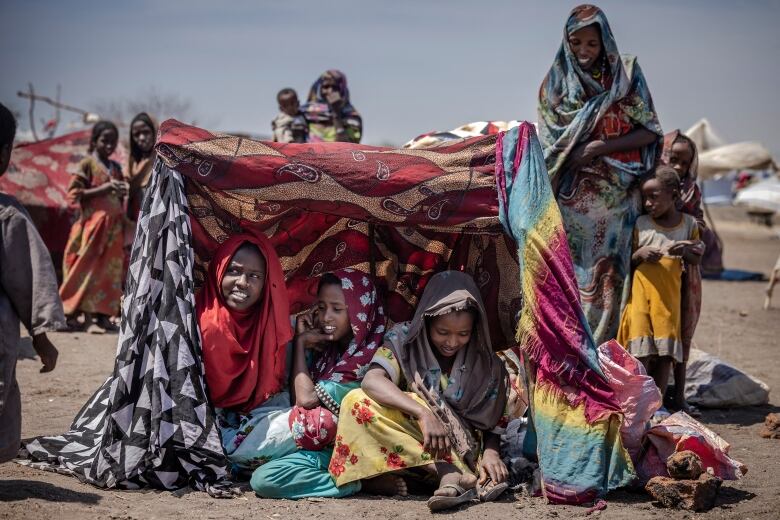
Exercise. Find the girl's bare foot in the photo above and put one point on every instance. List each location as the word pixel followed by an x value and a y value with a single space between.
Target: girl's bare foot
pixel 387 484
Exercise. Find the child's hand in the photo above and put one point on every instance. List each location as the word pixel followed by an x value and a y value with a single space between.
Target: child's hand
pixel 648 254
pixel 120 188
pixel 307 336
pixel 46 351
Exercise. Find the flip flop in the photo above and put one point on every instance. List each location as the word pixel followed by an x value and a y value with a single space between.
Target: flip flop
pixel 488 494
pixel 440 503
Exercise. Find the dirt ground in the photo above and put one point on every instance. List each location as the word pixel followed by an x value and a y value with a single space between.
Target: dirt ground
pixel 733 326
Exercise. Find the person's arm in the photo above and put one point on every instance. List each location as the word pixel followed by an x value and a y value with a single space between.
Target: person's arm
pixel 30 283
pixel 117 188
pixel 306 337
pixel 693 253
pixel 491 465
pixel 378 386
pixel 635 139
pixel 585 153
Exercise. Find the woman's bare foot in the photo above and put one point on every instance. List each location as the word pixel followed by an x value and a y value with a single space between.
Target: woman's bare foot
pixel 387 484
pixel 449 475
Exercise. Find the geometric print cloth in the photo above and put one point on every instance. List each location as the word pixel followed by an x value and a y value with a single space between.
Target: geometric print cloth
pixel 150 424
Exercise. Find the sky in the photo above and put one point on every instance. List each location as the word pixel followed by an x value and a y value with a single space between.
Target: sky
pixel 412 66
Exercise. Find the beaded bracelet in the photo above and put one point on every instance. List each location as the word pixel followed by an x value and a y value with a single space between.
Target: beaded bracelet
pixel 326 399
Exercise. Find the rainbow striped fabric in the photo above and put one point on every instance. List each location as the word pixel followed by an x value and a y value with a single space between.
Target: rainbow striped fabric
pixel 576 417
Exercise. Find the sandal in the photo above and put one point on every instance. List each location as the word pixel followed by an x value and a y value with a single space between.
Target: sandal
pixel 440 503
pixel 490 493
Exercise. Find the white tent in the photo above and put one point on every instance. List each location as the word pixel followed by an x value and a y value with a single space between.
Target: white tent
pixel 717 157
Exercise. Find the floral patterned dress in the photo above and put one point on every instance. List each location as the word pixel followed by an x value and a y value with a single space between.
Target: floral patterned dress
pixel 373 439
pixel 94 256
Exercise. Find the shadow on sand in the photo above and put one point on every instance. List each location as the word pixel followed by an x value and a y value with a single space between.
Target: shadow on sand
pixel 16 490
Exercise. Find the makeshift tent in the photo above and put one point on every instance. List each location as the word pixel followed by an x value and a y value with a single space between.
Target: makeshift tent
pixel 717 157
pixel 483 205
pixel 38 176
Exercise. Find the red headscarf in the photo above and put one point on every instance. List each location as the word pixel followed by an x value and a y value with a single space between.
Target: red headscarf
pixel 244 352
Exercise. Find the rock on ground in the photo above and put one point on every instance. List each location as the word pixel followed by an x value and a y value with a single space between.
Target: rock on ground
pixel 684 465
pixel 693 495
pixel 771 429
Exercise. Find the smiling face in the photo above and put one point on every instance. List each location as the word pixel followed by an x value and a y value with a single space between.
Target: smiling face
pixel 681 157
pixel 658 199
pixel 585 44
pixel 244 279
pixel 450 333
pixel 105 144
pixel 332 313
pixel 142 136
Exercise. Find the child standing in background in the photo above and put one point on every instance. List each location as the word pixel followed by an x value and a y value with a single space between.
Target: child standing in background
pixel 665 239
pixel 289 126
pixel 28 294
pixel 680 153
pixel 94 256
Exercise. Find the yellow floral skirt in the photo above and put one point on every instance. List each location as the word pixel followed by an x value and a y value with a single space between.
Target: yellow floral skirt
pixel 373 439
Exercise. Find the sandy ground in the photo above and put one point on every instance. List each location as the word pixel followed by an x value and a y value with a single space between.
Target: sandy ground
pixel 733 326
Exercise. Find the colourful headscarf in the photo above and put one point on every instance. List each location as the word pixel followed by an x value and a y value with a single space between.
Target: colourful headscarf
pixel 367 318
pixel 244 353
pixel 572 101
pixel 317 109
pixel 690 195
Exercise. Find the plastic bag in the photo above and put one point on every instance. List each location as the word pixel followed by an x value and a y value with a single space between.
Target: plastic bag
pixel 636 392
pixel 713 383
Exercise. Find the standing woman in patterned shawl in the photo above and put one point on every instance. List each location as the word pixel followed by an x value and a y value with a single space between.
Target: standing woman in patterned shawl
pixel 333 347
pixel 328 111
pixel 600 134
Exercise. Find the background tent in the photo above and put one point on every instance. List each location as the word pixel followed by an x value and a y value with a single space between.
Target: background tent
pixel 38 176
pixel 715 156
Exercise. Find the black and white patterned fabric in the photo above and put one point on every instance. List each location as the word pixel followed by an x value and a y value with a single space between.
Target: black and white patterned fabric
pixel 150 424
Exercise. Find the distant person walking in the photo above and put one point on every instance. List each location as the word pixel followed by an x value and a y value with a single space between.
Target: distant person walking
pixel 600 134
pixel 328 111
pixel 94 255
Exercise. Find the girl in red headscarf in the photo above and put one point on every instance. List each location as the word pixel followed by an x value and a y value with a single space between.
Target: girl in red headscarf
pixel 243 313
